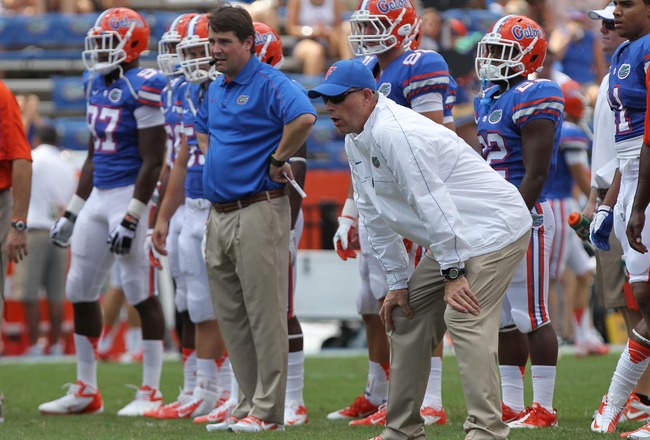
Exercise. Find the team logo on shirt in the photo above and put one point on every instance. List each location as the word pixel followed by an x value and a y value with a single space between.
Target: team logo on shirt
pixel 624 71
pixel 375 161
pixel 115 95
pixel 243 99
pixel 384 88
pixel 495 116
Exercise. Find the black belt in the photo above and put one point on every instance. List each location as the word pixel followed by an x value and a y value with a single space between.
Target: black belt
pixel 249 200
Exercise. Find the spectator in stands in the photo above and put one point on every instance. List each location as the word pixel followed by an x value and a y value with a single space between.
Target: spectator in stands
pixel 29 106
pixel 53 183
pixel 322 34
pixel 430 29
pixel 263 11
pixel 578 49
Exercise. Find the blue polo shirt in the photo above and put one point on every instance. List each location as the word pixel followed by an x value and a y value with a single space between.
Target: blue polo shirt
pixel 245 118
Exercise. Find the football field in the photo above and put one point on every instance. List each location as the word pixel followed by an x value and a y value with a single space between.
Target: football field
pixel 331 382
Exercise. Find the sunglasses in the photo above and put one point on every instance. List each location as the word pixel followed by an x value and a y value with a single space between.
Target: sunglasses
pixel 339 98
pixel 609 25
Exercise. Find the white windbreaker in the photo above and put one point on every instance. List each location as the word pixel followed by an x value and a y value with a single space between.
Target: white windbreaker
pixel 415 178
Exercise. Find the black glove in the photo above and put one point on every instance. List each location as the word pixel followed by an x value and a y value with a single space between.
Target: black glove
pixel 123 235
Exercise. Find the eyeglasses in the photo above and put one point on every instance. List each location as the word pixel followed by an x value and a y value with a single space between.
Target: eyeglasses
pixel 339 98
pixel 609 25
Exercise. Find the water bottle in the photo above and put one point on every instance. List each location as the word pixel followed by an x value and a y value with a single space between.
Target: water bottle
pixel 580 224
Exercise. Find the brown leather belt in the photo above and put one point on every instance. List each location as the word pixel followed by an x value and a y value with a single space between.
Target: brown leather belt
pixel 246 201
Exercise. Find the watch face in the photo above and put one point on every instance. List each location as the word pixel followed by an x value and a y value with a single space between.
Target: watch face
pixel 20 225
pixel 453 273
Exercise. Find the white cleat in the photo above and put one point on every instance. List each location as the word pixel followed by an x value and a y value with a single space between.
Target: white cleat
pixel 295 413
pixel 146 399
pixel 80 399
pixel 219 414
pixel 253 424
pixel 607 416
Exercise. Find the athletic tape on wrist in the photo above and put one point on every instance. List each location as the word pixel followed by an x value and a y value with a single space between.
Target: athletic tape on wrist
pixel 136 208
pixel 75 205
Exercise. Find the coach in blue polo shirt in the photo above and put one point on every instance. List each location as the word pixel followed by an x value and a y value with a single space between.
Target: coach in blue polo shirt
pixel 252 121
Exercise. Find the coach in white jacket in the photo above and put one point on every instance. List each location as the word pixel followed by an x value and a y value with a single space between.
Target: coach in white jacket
pixel 415 178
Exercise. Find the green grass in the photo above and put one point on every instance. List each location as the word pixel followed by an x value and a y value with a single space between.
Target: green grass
pixel 331 383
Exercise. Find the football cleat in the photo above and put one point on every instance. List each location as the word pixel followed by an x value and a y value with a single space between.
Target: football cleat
pixel 218 414
pixel 638 434
pixel 295 413
pixel 432 416
pixel 607 417
pixel 200 403
pixel 508 414
pixel 535 416
pixel 253 424
pixel 635 410
pixel 146 399
pixel 183 397
pixel 80 399
pixel 361 407
pixel 222 426
pixel 378 418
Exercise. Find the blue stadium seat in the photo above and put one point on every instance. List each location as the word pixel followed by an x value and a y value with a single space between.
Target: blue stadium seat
pixel 67 93
pixel 73 133
pixel 325 147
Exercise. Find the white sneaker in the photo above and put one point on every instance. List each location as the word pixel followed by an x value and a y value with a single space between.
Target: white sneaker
pixel 635 410
pixel 80 399
pixel 295 413
pixel 607 417
pixel 223 426
pixel 146 399
pixel 638 434
pixel 219 414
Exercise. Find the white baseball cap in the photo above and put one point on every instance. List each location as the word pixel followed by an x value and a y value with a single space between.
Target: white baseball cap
pixel 603 14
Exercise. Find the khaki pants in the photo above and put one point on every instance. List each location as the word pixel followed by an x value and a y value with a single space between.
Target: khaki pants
pixel 610 276
pixel 247 257
pixel 475 341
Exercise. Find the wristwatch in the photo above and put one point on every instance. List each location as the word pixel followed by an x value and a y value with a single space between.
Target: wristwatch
pixel 19 225
pixel 453 273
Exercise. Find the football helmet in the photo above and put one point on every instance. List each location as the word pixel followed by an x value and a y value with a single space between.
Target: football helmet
pixel 380 25
pixel 119 35
pixel 167 56
pixel 268 45
pixel 514 46
pixel 574 99
pixel 193 52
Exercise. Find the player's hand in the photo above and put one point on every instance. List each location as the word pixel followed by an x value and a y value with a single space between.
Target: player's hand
pixel 293 248
pixel 123 235
pixel 394 298
pixel 16 247
pixel 634 229
pixel 61 230
pixel 601 227
pixel 150 250
pixel 460 297
pixel 342 238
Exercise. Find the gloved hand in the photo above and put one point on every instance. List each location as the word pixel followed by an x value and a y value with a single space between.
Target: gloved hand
pixel 342 238
pixel 150 250
pixel 293 248
pixel 61 230
pixel 601 227
pixel 123 235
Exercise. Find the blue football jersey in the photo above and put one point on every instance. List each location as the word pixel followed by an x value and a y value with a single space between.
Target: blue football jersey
pixel 573 139
pixel 627 89
pixel 413 74
pixel 111 121
pixel 500 119
pixel 194 95
pixel 173 96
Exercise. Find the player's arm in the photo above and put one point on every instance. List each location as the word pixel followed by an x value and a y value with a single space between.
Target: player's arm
pixel 151 144
pixel 537 142
pixel 174 197
pixel 299 169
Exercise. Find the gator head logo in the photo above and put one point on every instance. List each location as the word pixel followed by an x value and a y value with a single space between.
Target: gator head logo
pixel 115 95
pixel 624 71
pixel 385 89
pixel 375 162
pixel 495 116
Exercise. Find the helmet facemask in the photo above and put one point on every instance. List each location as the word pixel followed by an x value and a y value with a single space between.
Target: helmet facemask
pixel 104 50
pixel 498 59
pixel 167 56
pixel 383 38
pixel 197 69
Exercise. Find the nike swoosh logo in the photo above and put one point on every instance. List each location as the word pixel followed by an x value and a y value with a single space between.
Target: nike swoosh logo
pixel 633 415
pixel 596 426
pixel 357 163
